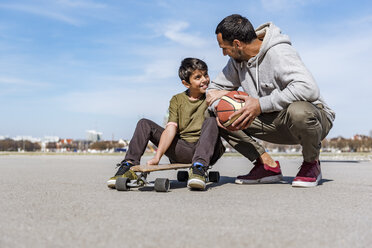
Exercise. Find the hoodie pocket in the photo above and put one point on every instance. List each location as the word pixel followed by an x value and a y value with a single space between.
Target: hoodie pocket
pixel 267 88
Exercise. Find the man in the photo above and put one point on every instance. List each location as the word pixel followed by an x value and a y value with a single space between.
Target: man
pixel 284 105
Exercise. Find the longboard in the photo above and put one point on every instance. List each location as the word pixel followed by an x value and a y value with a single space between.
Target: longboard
pixel 160 184
pixel 160 167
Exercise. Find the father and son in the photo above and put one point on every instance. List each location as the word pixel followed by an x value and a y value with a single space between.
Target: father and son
pixel 283 106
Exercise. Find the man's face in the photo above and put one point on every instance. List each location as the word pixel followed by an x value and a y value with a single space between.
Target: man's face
pixel 229 49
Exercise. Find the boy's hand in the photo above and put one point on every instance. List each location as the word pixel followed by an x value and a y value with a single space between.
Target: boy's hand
pixel 214 95
pixel 249 112
pixel 153 161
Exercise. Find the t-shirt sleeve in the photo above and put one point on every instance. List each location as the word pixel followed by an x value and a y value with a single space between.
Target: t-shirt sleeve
pixel 173 113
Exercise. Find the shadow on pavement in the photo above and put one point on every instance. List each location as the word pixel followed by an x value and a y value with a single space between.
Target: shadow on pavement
pixel 174 184
pixel 289 180
pixel 339 161
pixel 223 180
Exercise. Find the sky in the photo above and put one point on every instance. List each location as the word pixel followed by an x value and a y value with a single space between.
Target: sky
pixel 70 66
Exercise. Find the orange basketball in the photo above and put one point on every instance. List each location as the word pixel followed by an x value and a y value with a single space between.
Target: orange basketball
pixel 227 106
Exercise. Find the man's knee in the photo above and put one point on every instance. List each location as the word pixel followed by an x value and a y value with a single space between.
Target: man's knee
pixel 302 115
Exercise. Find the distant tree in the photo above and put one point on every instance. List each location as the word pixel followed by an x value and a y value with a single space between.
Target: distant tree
pixel 100 145
pixel 103 145
pixel 51 145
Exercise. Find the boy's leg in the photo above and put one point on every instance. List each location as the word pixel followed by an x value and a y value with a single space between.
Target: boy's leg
pixel 208 150
pixel 208 146
pixel 145 130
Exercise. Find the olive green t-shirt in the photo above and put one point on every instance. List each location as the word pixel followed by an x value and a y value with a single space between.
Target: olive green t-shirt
pixel 188 114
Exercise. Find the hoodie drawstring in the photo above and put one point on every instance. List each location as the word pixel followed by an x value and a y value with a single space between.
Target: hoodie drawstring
pixel 257 75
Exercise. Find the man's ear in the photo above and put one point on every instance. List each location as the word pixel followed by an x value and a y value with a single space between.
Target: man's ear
pixel 237 43
pixel 187 85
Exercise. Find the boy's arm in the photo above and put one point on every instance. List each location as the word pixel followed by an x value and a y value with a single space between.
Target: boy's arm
pixel 166 139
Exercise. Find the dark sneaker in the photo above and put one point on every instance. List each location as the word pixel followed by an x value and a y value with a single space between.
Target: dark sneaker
pixel 123 171
pixel 261 173
pixel 309 175
pixel 197 176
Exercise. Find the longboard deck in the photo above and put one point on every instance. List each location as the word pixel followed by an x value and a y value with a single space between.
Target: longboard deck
pixel 160 167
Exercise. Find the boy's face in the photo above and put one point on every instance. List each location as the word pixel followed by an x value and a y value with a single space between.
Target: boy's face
pixel 199 81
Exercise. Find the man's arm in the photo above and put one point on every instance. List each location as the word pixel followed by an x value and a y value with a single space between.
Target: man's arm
pixel 166 139
pixel 213 95
pixel 227 80
pixel 296 81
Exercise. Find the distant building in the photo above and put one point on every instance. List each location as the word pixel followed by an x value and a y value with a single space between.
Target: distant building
pixel 27 138
pixel 93 135
pixel 49 139
pixel 370 133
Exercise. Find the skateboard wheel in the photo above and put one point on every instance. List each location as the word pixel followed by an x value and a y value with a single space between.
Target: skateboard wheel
pixel 122 184
pixel 214 176
pixel 161 185
pixel 182 176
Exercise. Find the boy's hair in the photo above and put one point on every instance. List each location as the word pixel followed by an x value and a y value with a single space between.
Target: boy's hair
pixel 236 27
pixel 188 66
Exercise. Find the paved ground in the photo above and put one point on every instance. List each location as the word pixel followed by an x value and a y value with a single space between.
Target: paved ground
pixel 62 201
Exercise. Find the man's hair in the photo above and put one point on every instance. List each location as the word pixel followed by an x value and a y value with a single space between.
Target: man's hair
pixel 189 65
pixel 236 27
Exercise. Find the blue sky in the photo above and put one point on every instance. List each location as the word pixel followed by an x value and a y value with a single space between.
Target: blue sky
pixel 69 66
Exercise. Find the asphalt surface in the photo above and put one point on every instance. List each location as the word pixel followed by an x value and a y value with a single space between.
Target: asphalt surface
pixel 63 201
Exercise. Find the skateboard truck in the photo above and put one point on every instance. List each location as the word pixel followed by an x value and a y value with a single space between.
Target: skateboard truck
pixel 160 184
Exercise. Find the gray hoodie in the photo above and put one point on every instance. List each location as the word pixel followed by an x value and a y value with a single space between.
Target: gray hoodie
pixel 276 75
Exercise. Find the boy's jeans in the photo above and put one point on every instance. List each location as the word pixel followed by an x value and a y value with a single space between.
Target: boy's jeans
pixel 207 150
pixel 301 123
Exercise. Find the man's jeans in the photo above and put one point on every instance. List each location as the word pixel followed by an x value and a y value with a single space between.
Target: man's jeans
pixel 301 123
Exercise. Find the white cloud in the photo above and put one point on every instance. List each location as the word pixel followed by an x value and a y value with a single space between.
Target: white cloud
pixel 283 5
pixel 42 12
pixel 175 31
pixel 20 82
pixel 81 4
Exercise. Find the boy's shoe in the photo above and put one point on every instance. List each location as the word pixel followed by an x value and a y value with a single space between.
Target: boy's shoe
pixel 123 171
pixel 197 176
pixel 261 173
pixel 309 175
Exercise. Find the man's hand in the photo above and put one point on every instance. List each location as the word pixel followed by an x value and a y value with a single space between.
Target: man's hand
pixel 249 112
pixel 153 161
pixel 219 124
pixel 214 95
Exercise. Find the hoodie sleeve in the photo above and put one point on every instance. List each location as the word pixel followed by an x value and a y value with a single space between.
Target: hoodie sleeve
pixel 294 81
pixel 228 79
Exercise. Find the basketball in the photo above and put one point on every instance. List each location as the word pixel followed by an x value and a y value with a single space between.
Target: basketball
pixel 227 106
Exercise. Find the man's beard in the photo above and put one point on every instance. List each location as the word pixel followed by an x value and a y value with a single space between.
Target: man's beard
pixel 240 58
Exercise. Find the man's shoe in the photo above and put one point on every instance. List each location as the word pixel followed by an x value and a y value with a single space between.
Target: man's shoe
pixel 261 173
pixel 123 171
pixel 197 176
pixel 309 175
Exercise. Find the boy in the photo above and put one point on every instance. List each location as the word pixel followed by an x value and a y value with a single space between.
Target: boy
pixel 188 137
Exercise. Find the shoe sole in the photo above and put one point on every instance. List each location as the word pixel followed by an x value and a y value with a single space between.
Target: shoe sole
pixel 303 184
pixel 271 179
pixel 196 184
pixel 111 184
